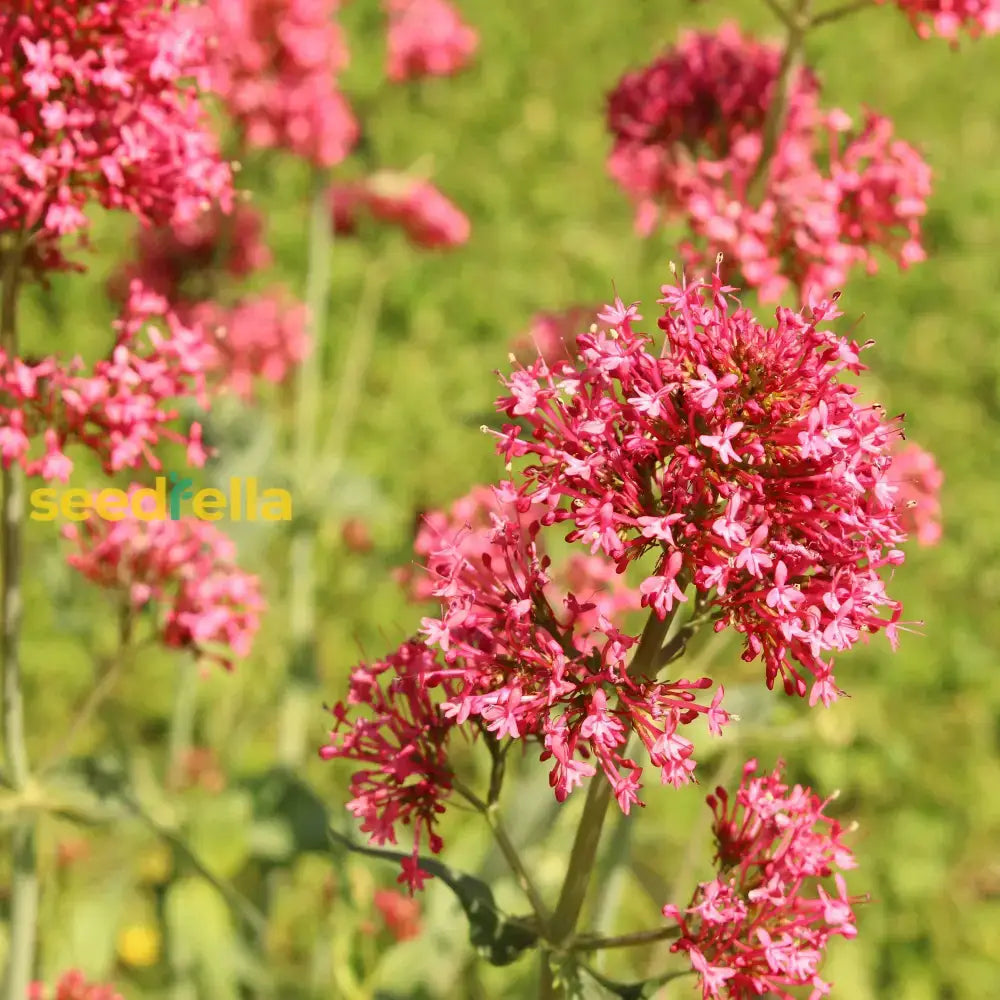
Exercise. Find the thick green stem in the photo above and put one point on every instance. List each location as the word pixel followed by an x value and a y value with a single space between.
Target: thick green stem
pixel 24 881
pixel 797 21
pixel 293 725
pixel 595 808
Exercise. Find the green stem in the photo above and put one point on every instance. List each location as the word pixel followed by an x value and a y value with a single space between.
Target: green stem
pixel 293 725
pixel 595 808
pixel 797 20
pixel 24 890
pixel 829 16
pixel 588 943
pixel 182 722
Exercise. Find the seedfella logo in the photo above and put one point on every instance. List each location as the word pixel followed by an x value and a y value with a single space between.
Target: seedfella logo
pixel 167 500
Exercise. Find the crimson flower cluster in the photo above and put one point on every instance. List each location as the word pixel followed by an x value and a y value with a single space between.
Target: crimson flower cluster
pixel 274 64
pixel 120 409
pixel 186 569
pixel 735 453
pixel 946 18
pixel 690 144
pixel 73 985
pixel 426 38
pixel 762 925
pixel 425 215
pixel 99 103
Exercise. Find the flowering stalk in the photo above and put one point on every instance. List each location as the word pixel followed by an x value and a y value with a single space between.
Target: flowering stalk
pixel 24 881
pixel 302 615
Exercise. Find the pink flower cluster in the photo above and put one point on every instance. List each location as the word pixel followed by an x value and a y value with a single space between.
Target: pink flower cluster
pixel 400 913
pixel 274 65
pixel 99 104
pixel 762 925
pixel 918 480
pixel 185 568
pixel 689 135
pixel 946 18
pixel 426 38
pixel 425 215
pixel 552 335
pixel 261 337
pixel 121 409
pixel 734 452
pixel 73 985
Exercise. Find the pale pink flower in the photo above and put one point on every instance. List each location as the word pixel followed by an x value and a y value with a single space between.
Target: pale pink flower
pixel 426 38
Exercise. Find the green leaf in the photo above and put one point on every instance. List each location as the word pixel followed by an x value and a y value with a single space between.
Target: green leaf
pixel 496 937
pixel 219 832
pixel 289 817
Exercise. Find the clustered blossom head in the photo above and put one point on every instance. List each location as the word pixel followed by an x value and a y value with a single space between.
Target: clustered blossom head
pixel 946 18
pixel 274 65
pixel 120 409
pixel 400 913
pixel 181 261
pixel 260 337
pixel 426 38
pixel 552 335
pixel 919 480
pixel 762 925
pixel 734 452
pixel 73 985
pixel 688 144
pixel 185 569
pixel 100 104
pixel 425 215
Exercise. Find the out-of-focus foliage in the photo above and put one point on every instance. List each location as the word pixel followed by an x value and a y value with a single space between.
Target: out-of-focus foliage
pixel 519 143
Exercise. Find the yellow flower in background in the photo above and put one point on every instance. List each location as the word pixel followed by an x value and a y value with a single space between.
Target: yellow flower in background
pixel 139 945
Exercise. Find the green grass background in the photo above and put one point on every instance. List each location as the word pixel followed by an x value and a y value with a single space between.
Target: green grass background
pixel 519 143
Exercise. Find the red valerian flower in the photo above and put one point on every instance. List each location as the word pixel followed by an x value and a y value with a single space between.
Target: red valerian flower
pixel 121 409
pixel 918 480
pixel 400 913
pixel 736 453
pixel 425 215
pixel 689 135
pixel 186 569
pixel 762 925
pixel 274 65
pixel 426 38
pixel 73 985
pixel 946 18
pixel 552 335
pixel 100 104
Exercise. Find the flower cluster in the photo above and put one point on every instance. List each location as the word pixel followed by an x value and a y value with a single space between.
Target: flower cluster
pixel 761 926
pixel 260 337
pixel 946 18
pixel 734 452
pixel 691 143
pixel 426 38
pixel 274 65
pixel 401 742
pixel 100 104
pixel 400 913
pixel 121 409
pixel 73 985
pixel 552 335
pixel 918 480
pixel 425 215
pixel 185 568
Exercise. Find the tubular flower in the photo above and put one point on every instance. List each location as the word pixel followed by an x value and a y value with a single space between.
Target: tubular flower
pixel 919 480
pixel 121 409
pixel 946 18
pixel 735 453
pixel 73 985
pixel 274 65
pixel 401 742
pixel 100 105
pixel 185 568
pixel 761 926
pixel 425 215
pixel 689 145
pixel 427 38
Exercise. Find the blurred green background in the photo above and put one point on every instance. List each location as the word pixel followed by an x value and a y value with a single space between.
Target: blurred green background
pixel 519 143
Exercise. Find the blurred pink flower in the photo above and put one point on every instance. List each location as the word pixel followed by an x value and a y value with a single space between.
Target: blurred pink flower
pixel 946 18
pixel 427 38
pixel 73 985
pixel 919 480
pixel 552 335
pixel 400 913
